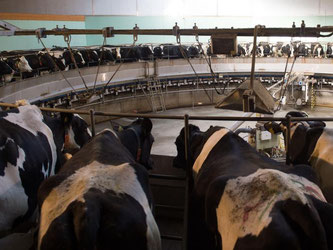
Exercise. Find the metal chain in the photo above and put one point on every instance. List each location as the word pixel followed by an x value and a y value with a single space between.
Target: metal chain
pixel 99 64
pixel 196 74
pixel 211 70
pixel 121 63
pixel 286 85
pixel 68 39
pixel 57 67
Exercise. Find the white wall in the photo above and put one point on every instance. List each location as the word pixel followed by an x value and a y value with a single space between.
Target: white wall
pixel 234 8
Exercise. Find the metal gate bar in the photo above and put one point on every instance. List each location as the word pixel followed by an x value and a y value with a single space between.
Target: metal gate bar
pixel 186 119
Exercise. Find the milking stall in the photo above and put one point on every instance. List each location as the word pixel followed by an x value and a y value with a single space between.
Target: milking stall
pixel 139 124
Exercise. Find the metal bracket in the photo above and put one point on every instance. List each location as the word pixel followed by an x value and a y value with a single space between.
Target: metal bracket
pixel 8 29
pixel 107 32
pixel 135 35
pixel 175 32
pixel 302 27
pixel 195 27
pixel 40 33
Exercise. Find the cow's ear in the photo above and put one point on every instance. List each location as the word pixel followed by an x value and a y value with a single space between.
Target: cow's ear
pixel 273 127
pixel 146 126
pixel 66 118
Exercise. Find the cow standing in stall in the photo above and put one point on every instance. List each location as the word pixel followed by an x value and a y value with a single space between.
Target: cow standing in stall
pixel 6 72
pixel 101 198
pixel 31 151
pixel 242 199
pixel 310 143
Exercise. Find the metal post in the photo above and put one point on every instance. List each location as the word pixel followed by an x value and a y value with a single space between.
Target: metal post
pixel 288 139
pixel 92 121
pixel 187 184
pixel 254 50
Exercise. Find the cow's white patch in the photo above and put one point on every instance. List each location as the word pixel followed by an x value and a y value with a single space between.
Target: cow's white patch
pixel 321 159
pixel 31 119
pixel 209 145
pixel 23 65
pixel 8 77
pixel 246 203
pixel 111 130
pixel 88 130
pixel 120 179
pixel 71 143
pixel 13 200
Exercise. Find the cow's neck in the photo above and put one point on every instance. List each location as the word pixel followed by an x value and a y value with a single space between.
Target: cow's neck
pixel 132 143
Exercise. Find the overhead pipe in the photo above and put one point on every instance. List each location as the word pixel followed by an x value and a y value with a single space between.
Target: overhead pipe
pixel 195 31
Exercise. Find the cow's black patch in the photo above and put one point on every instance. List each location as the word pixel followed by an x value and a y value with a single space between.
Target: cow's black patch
pixel 105 220
pixel 233 157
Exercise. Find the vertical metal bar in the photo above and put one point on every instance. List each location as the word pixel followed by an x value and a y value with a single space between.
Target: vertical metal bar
pixel 187 184
pixel 288 139
pixel 254 50
pixel 92 122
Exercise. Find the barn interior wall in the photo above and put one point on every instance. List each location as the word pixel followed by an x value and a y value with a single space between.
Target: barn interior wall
pixel 167 22
pixel 152 22
pixel 30 42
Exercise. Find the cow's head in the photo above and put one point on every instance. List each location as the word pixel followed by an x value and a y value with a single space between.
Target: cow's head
pixel 298 131
pixel 77 132
pixel 141 143
pixel 275 128
pixel 180 160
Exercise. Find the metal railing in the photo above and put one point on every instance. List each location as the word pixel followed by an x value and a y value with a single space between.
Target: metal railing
pixel 186 118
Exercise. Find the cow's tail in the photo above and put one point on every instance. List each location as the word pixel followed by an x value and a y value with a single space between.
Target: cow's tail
pixel 307 219
pixel 86 221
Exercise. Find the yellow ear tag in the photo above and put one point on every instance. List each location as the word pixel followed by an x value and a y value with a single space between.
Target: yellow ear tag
pixel 271 130
pixel 120 128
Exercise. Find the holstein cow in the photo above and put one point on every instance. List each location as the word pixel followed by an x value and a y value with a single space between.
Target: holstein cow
pixel 310 143
pixel 244 200
pixel 101 198
pixel 329 51
pixel 6 72
pixel 30 151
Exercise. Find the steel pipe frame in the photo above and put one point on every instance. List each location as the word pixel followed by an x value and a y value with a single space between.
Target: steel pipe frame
pixel 286 32
pixel 186 118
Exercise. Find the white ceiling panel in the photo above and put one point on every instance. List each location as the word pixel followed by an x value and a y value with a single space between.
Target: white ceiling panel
pixel 169 8
pixel 200 7
pixel 112 7
pixel 326 7
pixel 269 8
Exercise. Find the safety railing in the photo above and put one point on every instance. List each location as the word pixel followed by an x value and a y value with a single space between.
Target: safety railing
pixel 186 119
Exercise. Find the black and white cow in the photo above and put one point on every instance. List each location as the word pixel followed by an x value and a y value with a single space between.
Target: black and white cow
pixel 158 52
pixel 286 50
pixel 30 151
pixel 329 51
pixel 244 200
pixel 240 51
pixel 193 51
pixel 310 143
pixel 66 55
pixel 317 50
pixel 101 198
pixel 174 51
pixel 90 56
pixel 6 72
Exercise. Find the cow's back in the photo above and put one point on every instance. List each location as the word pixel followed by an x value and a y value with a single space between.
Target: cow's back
pixel 100 198
pixel 27 156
